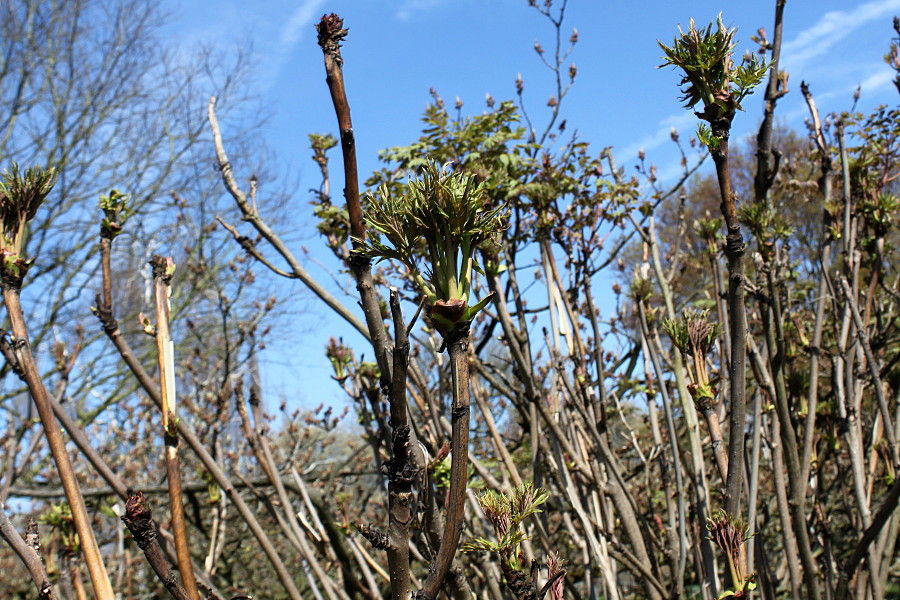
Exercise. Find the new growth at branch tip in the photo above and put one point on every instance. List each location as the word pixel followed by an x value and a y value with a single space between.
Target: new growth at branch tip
pixel 442 217
pixel 21 194
pixel 710 77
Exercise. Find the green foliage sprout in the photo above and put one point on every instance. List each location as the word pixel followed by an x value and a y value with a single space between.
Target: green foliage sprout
pixel 695 336
pixel 443 215
pixel 506 514
pixel 708 230
pixel 21 194
pixel 59 517
pixel 766 225
pixel 710 77
pixel 730 534
pixel 115 213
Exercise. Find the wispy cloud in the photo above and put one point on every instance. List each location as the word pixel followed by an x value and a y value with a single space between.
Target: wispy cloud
pixel 410 7
pixel 299 22
pixel 656 139
pixel 278 49
pixel 877 81
pixel 833 27
pixel 880 77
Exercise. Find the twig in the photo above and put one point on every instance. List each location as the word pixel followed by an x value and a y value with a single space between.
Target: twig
pixel 873 371
pixel 186 432
pixel 25 359
pixel 163 269
pixel 297 270
pixel 139 521
pixel 28 554
pixel 331 34
pixel 885 511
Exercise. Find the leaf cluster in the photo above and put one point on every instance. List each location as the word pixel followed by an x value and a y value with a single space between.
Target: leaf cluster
pixel 710 77
pixel 506 514
pixel 444 216
pixel 115 212
pixel 766 224
pixel 21 194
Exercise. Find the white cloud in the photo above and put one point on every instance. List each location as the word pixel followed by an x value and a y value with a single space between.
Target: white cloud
pixel 278 49
pixel 831 28
pixel 408 8
pixel 662 135
pixel 300 20
pixel 878 80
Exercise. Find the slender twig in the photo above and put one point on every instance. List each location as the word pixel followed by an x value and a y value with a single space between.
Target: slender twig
pixel 688 411
pixel 297 270
pixel 294 533
pixel 872 364
pixel 885 511
pixel 186 432
pixel 673 441
pixel 27 554
pixel 163 269
pixel 814 349
pixel 93 560
pixel 139 520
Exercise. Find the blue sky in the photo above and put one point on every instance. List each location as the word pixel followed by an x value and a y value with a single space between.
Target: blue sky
pixel 397 50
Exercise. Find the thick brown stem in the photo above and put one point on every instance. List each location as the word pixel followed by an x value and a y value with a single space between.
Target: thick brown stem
pixel 458 349
pixel 734 253
pixel 93 561
pixel 105 261
pixel 399 470
pixel 331 34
